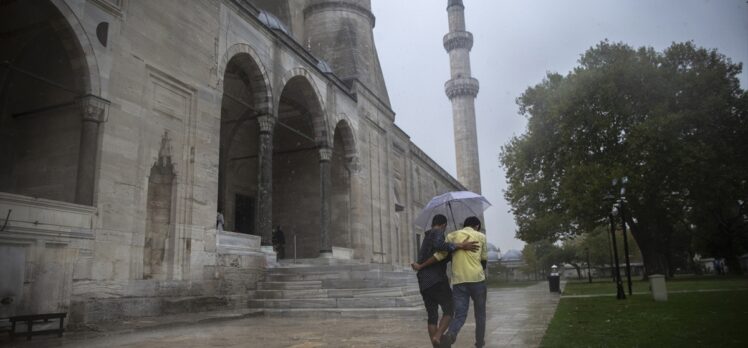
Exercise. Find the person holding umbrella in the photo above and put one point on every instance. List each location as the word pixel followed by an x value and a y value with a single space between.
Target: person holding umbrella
pixel 468 281
pixel 432 280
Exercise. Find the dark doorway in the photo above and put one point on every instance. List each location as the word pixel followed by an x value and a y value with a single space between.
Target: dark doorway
pixel 244 213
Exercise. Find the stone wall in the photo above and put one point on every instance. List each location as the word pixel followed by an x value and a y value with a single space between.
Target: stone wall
pixel 163 72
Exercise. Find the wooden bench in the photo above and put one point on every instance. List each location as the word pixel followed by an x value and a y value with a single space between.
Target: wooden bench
pixel 36 318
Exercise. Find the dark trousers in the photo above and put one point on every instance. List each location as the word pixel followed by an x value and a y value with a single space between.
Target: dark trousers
pixel 435 296
pixel 462 293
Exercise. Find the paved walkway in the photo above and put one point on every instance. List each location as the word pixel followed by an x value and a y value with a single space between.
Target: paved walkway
pixel 517 317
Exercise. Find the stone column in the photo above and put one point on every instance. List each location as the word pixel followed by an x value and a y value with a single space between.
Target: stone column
pixel 264 209
pixel 358 214
pixel 325 185
pixel 93 110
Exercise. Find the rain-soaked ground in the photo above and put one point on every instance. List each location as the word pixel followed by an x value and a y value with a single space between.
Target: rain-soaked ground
pixel 517 317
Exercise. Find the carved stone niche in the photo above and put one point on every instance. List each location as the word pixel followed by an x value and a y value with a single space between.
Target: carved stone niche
pixel 160 212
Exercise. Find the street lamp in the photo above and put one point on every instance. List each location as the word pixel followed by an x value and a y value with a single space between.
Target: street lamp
pixel 622 207
pixel 619 285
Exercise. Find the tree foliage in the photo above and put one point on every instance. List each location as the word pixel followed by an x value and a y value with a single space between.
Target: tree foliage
pixel 673 122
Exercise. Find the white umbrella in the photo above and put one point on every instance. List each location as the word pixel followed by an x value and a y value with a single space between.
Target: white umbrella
pixel 456 206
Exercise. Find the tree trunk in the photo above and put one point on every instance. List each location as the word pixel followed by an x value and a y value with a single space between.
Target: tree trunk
pixel 652 256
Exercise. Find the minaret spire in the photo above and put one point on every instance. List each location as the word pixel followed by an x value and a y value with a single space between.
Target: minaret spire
pixel 462 89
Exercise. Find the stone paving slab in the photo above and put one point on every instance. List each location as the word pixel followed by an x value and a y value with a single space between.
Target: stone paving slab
pixel 517 317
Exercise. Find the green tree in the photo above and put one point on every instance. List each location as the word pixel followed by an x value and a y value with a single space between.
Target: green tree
pixel 599 245
pixel 539 257
pixel 674 122
pixel 572 252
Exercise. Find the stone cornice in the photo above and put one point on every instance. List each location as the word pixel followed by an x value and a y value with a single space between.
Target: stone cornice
pixel 340 5
pixel 429 162
pixel 464 86
pixel 458 39
pixel 457 3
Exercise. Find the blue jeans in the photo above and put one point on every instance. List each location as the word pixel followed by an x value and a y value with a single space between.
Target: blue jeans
pixel 461 294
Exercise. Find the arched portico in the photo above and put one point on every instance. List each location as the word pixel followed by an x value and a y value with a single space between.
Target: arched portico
pixel 301 167
pixel 344 157
pixel 245 152
pixel 50 109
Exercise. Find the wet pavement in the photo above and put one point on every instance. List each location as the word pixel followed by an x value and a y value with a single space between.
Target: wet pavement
pixel 517 317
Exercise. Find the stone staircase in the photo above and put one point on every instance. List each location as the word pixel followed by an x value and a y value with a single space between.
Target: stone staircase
pixel 334 288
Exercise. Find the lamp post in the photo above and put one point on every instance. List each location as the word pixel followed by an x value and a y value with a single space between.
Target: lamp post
pixel 589 274
pixel 620 294
pixel 622 207
pixel 610 252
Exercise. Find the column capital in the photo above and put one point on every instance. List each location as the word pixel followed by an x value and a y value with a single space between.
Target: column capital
pixel 266 123
pixel 93 107
pixel 325 154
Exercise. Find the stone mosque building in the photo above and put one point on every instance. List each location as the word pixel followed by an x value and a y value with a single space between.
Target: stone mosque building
pixel 127 125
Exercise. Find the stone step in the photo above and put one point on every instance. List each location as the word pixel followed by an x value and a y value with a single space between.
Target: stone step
pixel 416 312
pixel 367 283
pixel 335 293
pixel 328 275
pixel 374 292
pixel 290 285
pixel 318 261
pixel 361 302
pixel 291 294
pixel 333 268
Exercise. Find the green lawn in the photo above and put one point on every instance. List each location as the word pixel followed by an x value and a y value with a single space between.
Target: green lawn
pixel 698 319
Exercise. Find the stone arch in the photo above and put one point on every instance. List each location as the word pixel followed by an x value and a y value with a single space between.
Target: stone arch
pixel 343 125
pixel 313 97
pixel 246 96
pixel 342 165
pixel 50 104
pixel 80 51
pixel 251 63
pixel 301 158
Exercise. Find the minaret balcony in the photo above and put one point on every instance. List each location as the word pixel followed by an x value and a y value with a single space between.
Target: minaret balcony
pixel 463 86
pixel 458 39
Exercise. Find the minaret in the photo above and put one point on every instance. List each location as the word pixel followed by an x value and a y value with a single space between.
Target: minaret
pixel 462 89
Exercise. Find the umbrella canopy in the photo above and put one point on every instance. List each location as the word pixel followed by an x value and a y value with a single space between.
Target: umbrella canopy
pixel 456 206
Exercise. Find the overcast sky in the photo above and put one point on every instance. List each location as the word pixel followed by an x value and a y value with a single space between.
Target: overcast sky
pixel 516 43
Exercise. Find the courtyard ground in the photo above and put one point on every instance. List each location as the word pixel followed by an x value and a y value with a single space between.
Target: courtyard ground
pixel 517 317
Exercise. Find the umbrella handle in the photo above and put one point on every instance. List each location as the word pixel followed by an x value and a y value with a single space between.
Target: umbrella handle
pixel 454 223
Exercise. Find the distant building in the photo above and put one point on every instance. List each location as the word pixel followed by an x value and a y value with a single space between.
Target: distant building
pixel 513 263
pixel 494 253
